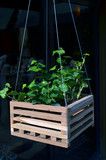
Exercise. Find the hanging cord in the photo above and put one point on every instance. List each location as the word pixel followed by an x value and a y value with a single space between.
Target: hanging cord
pixel 78 39
pixel 58 43
pixel 46 35
pixel 22 46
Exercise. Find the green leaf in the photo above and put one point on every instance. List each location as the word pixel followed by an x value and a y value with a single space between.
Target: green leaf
pixel 79 64
pixel 63 87
pixel 86 54
pixel 3 93
pixel 53 68
pixel 83 85
pixel 53 76
pixel 24 86
pixel 54 95
pixel 59 52
pixel 7 85
pixel 21 96
pixel 13 93
pixel 58 60
pixel 41 65
pixel 34 62
pixel 54 88
pixel 48 101
pixel 32 85
pixel 44 91
pixel 75 74
pixel 44 83
pixel 34 69
pixel 31 94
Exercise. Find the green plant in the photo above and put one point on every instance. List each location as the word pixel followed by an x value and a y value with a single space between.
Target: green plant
pixel 48 87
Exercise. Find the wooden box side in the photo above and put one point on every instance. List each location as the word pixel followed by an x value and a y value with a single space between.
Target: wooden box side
pixel 81 116
pixel 43 123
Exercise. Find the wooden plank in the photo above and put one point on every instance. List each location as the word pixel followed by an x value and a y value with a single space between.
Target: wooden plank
pixel 21 131
pixel 32 133
pixel 79 111
pixel 79 132
pixel 42 107
pixel 80 104
pixel 44 131
pixel 42 136
pixel 81 123
pixel 81 115
pixel 64 120
pixel 40 123
pixel 53 138
pixel 38 139
pixel 11 115
pixel 82 107
pixel 42 115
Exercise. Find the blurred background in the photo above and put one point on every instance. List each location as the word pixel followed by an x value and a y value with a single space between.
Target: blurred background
pixel 40 41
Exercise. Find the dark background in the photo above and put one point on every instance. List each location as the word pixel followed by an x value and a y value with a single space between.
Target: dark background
pixel 87 15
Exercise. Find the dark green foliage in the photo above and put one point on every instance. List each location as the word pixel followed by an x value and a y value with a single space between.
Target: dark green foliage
pixel 49 88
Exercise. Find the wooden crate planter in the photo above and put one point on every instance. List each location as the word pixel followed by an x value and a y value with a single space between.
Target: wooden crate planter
pixel 50 124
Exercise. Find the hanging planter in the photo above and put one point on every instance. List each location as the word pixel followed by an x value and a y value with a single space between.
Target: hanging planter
pixel 50 124
pixel 37 112
pixel 53 108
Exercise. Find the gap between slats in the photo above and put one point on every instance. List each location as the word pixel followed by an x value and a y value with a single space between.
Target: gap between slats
pixel 39 130
pixel 36 114
pixel 80 130
pixel 37 106
pixel 80 115
pixel 80 123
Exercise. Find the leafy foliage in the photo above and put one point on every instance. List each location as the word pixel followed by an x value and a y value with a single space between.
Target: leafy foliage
pixel 49 88
pixel 4 91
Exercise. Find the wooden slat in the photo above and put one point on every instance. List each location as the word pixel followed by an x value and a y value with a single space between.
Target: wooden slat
pixel 81 123
pixel 64 120
pixel 38 130
pixel 32 133
pixel 11 115
pixel 21 131
pixel 41 123
pixel 80 104
pixel 38 139
pixel 38 106
pixel 53 138
pixel 79 111
pixel 79 132
pixel 42 136
pixel 81 115
pixel 37 114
